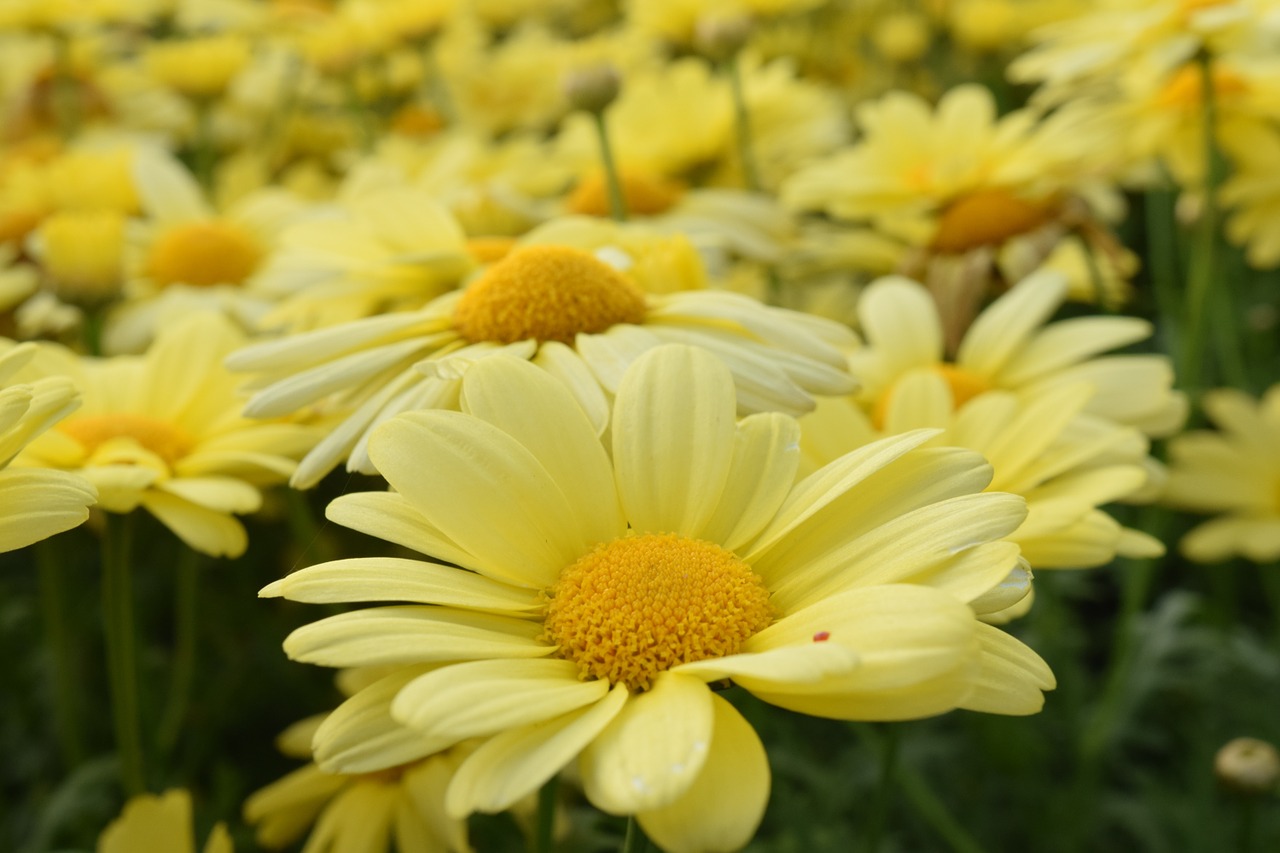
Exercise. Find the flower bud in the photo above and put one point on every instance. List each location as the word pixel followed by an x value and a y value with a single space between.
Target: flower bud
pixel 1247 765
pixel 593 87
pixel 719 37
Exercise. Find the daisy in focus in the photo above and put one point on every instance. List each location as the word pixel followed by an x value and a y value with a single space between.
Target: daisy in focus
pixel 163 431
pixel 38 502
pixel 580 315
pixel 1234 474
pixel 625 583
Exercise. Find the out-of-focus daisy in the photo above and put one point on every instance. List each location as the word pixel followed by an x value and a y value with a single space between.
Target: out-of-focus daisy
pixel 677 20
pixel 581 318
pixel 185 256
pixel 1253 193
pixel 164 432
pixel 691 542
pixel 37 502
pixel 400 807
pixel 160 822
pixel 1010 347
pixel 1234 473
pixel 976 200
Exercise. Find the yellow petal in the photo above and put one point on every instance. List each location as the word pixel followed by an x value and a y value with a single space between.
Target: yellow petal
pixel 672 448
pixel 1012 678
pixel 723 807
pixel 489 696
pixel 151 822
pixel 569 368
pixel 39 503
pixel 1009 322
pixel 222 494
pixel 766 454
pixel 207 531
pixel 390 516
pixel 360 736
pixel 653 750
pixel 517 762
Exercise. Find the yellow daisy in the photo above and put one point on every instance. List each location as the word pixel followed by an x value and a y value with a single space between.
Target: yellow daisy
pixel 1066 464
pixel 1235 474
pixel 976 200
pixel 185 256
pixel 594 596
pixel 1253 193
pixel 160 822
pixel 163 431
pixel 1010 347
pixel 578 317
pixel 37 502
pixel 400 807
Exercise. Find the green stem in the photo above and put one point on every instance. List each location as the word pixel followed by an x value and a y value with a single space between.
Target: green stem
pixel 929 808
pixel 185 631
pixel 617 201
pixel 634 841
pixel 742 126
pixel 544 829
pixel 204 151
pixel 884 793
pixel 60 637
pixel 66 94
pixel 1203 265
pixel 1270 577
pixel 117 606
pixel 1163 260
pixel 1248 813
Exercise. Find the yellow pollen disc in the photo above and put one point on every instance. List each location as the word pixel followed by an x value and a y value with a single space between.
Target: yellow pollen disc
pixel 548 293
pixel 203 254
pixel 644 194
pixel 487 250
pixel 964 386
pixel 1185 90
pixel 986 218
pixel 638 606
pixel 160 438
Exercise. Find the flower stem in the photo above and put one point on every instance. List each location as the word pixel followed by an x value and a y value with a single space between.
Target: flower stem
pixel 60 638
pixel 934 813
pixel 742 125
pixel 617 201
pixel 544 829
pixel 117 617
pixel 1204 261
pixel 884 793
pixel 1163 263
pixel 186 623
pixel 634 841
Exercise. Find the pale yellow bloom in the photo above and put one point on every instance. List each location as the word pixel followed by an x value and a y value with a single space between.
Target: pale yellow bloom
pixel 200 67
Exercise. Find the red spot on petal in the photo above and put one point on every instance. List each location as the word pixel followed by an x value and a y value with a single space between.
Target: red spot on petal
pixel 822 636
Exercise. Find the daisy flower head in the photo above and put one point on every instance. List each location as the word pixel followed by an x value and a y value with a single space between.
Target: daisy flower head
pixel 1233 473
pixel 183 255
pixel 623 583
pixel 163 431
pixel 1012 347
pixel 580 315
pixel 399 808
pixel 1253 194
pixel 160 822
pixel 975 200
pixel 38 502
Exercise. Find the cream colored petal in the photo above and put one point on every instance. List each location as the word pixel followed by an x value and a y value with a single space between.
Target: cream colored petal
pixel 526 403
pixel 515 763
pixel 722 809
pixel 1069 342
pixel 488 475
pixel 921 399
pixel 610 354
pixel 804 664
pixel 221 494
pixel 836 426
pixel 425 786
pixel 182 364
pixel 393 579
pixel 900 321
pixel 390 516
pixel 361 736
pixel 39 503
pixel 404 635
pixel 673 440
pixel 918 547
pixel 120 487
pixel 766 454
pixel 349 371
pixel 168 191
pixel 1014 589
pixel 485 697
pixel 286 809
pixel 652 751
pixel 1004 328
pixel 1221 538
pixel 1089 541
pixel 207 531
pixel 1013 678
pixel 568 367
pixel 289 354
pixel 357 821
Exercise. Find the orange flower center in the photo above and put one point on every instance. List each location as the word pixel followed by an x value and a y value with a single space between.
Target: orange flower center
pixel 987 218
pixel 645 194
pixel 203 254
pixel 94 431
pixel 638 606
pixel 1185 90
pixel 547 293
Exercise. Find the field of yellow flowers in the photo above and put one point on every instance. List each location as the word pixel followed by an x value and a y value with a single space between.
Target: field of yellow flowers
pixel 438 426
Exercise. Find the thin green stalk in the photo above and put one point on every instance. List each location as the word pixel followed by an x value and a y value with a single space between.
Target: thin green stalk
pixel 117 617
pixel 544 828
pixel 1162 261
pixel 617 201
pixel 1247 819
pixel 60 638
pixel 66 95
pixel 884 792
pixel 1204 252
pixel 1270 578
pixel 742 125
pixel 930 809
pixel 204 154
pixel 634 841
pixel 185 631
pixel 1228 333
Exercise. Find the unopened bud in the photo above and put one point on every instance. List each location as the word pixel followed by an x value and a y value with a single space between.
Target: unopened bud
pixel 592 88
pixel 902 36
pixel 1247 765
pixel 720 37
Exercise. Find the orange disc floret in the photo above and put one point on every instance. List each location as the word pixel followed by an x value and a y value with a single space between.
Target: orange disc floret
pixel 158 437
pixel 987 218
pixel 204 254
